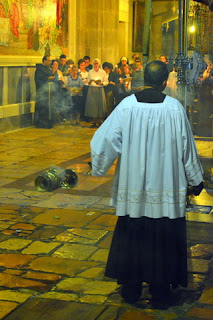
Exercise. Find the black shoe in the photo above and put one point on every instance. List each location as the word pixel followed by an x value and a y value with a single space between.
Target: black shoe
pixel 166 300
pixel 131 293
pixel 93 125
pixel 90 164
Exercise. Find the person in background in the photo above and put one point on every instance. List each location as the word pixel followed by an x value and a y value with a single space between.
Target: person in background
pixel 44 115
pixel 83 73
pixel 123 62
pixel 164 59
pixel 96 100
pixel 110 89
pixel 124 88
pixel 75 85
pixel 88 64
pixel 58 75
pixel 137 77
pixel 134 57
pixel 149 134
pixel 63 67
pixel 58 83
pixel 70 63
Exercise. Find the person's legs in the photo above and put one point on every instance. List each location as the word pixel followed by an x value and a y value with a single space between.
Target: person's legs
pixel 131 292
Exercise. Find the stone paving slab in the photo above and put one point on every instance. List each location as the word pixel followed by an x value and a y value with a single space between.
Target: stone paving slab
pixel 60 266
pixel 68 201
pixel 6 307
pixel 15 296
pixel 87 286
pixel 199 313
pixel 207 297
pixel 38 247
pixel 46 309
pixel 75 251
pixel 13 281
pixel 68 218
pixel 15 260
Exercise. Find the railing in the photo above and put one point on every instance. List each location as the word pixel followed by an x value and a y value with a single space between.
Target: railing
pixel 17 85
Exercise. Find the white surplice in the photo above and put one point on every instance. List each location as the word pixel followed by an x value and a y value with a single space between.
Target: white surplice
pixel 157 157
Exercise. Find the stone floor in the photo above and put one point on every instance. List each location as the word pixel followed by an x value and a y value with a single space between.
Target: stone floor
pixel 54 245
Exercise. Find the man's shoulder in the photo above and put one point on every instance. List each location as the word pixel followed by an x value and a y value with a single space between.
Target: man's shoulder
pixel 43 69
pixel 127 102
pixel 173 101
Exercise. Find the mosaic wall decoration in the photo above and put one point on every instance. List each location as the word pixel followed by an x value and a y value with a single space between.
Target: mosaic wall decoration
pixel 33 25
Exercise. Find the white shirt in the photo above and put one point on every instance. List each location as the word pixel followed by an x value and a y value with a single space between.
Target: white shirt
pixel 84 76
pixel 157 157
pixel 98 75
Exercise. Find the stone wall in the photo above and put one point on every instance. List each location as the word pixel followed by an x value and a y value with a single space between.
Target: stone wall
pixel 95 30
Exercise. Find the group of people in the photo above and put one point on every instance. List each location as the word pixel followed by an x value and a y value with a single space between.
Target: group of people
pixel 66 91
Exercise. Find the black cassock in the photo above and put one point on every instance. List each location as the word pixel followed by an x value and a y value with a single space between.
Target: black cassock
pixel 45 111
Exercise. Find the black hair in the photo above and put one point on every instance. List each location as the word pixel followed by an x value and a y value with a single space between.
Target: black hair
pixel 53 62
pixel 105 64
pixel 62 56
pixel 69 62
pixel 86 58
pixel 44 58
pixel 155 74
pixel 80 61
pixel 108 65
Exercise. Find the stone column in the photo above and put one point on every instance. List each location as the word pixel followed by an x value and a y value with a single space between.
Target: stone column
pixel 5 87
pixel 97 29
pixel 146 35
pixel 72 29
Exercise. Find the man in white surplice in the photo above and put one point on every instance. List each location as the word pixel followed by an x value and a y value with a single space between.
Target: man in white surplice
pixel 150 135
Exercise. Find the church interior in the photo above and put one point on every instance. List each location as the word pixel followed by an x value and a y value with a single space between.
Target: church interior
pixel 106 30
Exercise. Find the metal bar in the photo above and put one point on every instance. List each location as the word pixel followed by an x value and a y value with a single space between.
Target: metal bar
pixel 180 16
pixel 146 35
pixel 186 16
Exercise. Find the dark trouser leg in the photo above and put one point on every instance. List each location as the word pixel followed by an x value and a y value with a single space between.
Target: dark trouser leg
pixel 159 292
pixel 131 292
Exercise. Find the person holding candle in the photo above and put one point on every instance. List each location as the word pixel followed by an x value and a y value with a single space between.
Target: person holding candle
pixel 96 101
pixel 58 83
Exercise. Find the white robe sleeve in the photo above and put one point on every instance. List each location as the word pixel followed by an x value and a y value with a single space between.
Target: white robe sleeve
pixel 106 144
pixel 193 167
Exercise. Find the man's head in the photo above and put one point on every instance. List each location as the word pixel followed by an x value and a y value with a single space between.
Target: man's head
pixel 107 67
pixel 87 60
pixel 63 59
pixel 156 75
pixel 138 65
pixel 135 56
pixel 46 60
pixel 163 58
pixel 73 71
